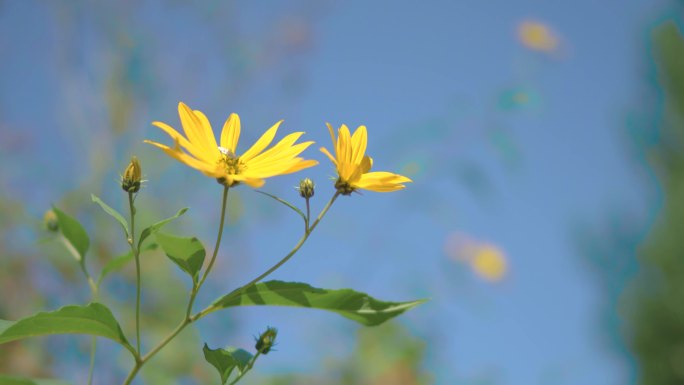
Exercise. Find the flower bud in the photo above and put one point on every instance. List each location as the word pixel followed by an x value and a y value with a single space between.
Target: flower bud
pixel 306 188
pixel 50 221
pixel 131 179
pixel 266 340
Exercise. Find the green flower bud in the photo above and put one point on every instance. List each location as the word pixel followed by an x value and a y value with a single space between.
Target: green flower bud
pixel 132 177
pixel 306 188
pixel 266 340
pixel 50 221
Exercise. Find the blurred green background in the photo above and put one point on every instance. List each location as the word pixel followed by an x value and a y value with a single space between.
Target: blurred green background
pixel 544 141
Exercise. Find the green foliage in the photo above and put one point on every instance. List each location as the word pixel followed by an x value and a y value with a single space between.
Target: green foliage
pixel 73 232
pixel 226 360
pixel 351 304
pixel 8 380
pixel 93 319
pixel 186 253
pixel 115 214
pixel 117 263
pixel 155 227
pixel 656 301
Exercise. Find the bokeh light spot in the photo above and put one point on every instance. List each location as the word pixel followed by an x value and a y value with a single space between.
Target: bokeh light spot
pixel 537 36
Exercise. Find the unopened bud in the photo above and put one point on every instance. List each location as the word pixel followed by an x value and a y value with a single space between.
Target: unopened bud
pixel 266 340
pixel 132 177
pixel 306 188
pixel 50 221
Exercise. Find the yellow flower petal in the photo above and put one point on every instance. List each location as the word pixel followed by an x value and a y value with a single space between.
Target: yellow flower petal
pixel 262 143
pixel 193 129
pixel 230 135
pixel 205 168
pixel 332 159
pixel 284 143
pixel 192 149
pixel 207 132
pixel 344 145
pixel 359 142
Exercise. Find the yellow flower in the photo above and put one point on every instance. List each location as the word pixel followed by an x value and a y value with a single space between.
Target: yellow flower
pixel 252 167
pixel 353 165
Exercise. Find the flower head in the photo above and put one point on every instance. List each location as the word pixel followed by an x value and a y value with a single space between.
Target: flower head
pixel 199 150
pixel 353 165
pixel 266 340
pixel 132 177
pixel 306 188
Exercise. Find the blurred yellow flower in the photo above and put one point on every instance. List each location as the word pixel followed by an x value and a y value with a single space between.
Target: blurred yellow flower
pixel 353 165
pixel 537 36
pixel 489 263
pixel 485 259
pixel 220 162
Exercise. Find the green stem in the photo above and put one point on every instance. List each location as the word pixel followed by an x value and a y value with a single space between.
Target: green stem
pixel 93 340
pixel 275 267
pixel 136 254
pixel 91 367
pixel 198 286
pixel 94 296
pixel 187 320
pixel 247 369
pixel 308 216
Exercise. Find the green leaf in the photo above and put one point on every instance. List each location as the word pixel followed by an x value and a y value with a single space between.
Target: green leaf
pixel 112 212
pixel 187 253
pixel 73 232
pixel 118 262
pixel 352 304
pixel 286 203
pixel 93 319
pixel 8 380
pixel 225 360
pixel 155 227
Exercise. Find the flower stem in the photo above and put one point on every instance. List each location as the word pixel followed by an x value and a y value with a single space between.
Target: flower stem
pixel 94 296
pixel 136 254
pixel 93 340
pixel 275 267
pixel 196 288
pixel 187 319
pixel 247 369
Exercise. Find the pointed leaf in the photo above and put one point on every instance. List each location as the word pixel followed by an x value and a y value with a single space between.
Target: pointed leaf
pixel 286 203
pixel 118 262
pixel 225 360
pixel 352 304
pixel 9 380
pixel 187 253
pixel 93 319
pixel 155 227
pixel 115 214
pixel 73 232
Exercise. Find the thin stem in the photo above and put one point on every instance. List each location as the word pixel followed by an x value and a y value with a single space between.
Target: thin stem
pixel 93 340
pixel 197 287
pixel 94 296
pixel 275 267
pixel 187 320
pixel 247 369
pixel 308 216
pixel 91 367
pixel 136 254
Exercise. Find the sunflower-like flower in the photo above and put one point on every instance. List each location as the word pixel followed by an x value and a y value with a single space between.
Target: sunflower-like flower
pixel 353 165
pixel 220 162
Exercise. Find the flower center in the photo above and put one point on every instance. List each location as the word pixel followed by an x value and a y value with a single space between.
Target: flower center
pixel 344 187
pixel 232 166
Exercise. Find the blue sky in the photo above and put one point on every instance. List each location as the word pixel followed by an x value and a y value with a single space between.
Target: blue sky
pixel 426 80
